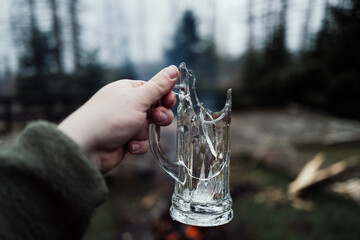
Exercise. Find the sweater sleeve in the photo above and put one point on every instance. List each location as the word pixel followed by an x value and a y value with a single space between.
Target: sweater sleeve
pixel 48 186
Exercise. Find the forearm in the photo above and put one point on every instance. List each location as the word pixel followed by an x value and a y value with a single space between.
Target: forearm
pixel 49 188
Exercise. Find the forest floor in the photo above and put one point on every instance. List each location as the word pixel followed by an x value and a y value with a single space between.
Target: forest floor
pixel 269 149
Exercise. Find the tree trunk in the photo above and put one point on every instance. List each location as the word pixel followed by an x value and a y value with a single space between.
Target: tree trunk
pixel 283 14
pixel 250 24
pixel 75 33
pixel 308 14
pixel 33 38
pixel 57 36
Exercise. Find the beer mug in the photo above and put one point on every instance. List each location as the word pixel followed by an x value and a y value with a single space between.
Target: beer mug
pixel 201 169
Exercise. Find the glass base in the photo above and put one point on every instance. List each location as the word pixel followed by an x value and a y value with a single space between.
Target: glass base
pixel 201 219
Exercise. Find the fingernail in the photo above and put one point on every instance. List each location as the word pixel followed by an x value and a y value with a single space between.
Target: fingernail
pixel 171 72
pixel 162 118
pixel 135 147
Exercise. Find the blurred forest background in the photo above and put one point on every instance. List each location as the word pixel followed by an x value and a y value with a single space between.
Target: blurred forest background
pixel 55 54
pixel 48 67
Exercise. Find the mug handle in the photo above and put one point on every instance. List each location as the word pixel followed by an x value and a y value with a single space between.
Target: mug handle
pixel 160 156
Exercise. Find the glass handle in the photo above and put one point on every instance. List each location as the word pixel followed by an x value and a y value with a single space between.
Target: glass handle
pixel 163 160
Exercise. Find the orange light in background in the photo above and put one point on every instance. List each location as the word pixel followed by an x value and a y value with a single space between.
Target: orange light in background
pixel 193 233
pixel 173 236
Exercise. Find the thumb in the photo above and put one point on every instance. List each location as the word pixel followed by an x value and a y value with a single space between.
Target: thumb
pixel 161 84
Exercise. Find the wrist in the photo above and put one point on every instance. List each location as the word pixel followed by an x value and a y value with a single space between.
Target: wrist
pixel 74 132
pixel 77 136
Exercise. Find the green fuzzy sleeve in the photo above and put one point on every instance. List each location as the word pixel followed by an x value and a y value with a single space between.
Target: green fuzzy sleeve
pixel 49 188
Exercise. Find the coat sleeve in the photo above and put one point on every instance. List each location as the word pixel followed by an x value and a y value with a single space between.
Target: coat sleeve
pixel 49 188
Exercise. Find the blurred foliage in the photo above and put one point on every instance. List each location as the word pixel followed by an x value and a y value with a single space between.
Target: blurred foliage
pixel 324 76
pixel 186 41
pixel 41 86
pixel 199 54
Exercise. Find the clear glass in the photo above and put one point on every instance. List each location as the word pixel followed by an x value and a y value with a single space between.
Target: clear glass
pixel 201 196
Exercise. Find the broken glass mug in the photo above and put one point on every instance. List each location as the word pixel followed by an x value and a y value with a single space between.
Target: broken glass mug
pixel 201 196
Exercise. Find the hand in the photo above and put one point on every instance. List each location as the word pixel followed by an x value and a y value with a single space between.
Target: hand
pixel 114 120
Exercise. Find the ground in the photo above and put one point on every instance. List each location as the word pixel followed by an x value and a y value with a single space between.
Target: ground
pixel 269 148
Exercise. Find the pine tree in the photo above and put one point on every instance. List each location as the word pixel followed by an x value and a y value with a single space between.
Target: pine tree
pixel 186 41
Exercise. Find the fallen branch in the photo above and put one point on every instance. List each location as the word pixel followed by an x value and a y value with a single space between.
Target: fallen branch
pixel 312 174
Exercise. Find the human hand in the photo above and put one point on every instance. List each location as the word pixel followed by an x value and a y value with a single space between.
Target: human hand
pixel 114 121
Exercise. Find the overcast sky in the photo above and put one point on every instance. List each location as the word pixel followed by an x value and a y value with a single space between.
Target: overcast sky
pixel 143 29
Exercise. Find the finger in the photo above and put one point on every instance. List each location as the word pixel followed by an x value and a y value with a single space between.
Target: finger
pixel 162 116
pixel 143 132
pixel 169 100
pixel 108 159
pixel 160 85
pixel 138 147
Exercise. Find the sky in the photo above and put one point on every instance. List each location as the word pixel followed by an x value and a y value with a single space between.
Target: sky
pixel 141 30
